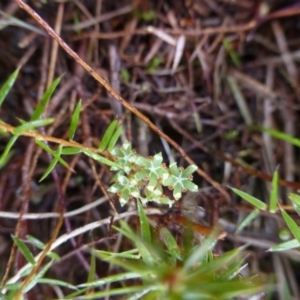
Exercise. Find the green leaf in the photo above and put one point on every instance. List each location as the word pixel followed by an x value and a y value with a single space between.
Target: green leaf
pixel 6 151
pixel 5 161
pixel 200 251
pixel 53 153
pixel 172 246
pixel 27 271
pixel 280 135
pixel 295 198
pixel 35 242
pixel 108 135
pixel 75 295
pixel 113 278
pixel 57 282
pixel 248 220
pixel 274 193
pixel 189 170
pixel 53 256
pixel 45 98
pixel 180 180
pixel 101 159
pixel 53 163
pixel 285 246
pixel 70 151
pixel 38 276
pixel 40 245
pixel 6 87
pixel 130 254
pixel 145 228
pixel 252 200
pixel 233 54
pixel 125 156
pixel 115 138
pixel 148 253
pixel 296 202
pixel 294 228
pixel 125 75
pixel 74 120
pixel 114 291
pixel 12 287
pixel 211 267
pixel 232 271
pixel 31 125
pixel 92 269
pixel 197 121
pixel 24 249
pixel 284 234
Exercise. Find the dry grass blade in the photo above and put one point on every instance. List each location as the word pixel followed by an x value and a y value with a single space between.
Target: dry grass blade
pixel 253 84
pixel 240 100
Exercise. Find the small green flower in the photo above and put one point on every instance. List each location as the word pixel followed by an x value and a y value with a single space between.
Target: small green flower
pixel 149 175
pixel 124 156
pixel 126 188
pixel 153 170
pixel 181 180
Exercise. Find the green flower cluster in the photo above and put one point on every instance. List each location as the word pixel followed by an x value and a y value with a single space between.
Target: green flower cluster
pixel 144 178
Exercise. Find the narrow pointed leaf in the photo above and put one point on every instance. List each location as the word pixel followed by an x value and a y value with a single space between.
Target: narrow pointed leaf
pixel 70 151
pixel 281 136
pixel 92 271
pixel 248 220
pixel 32 125
pixel 40 245
pixel 114 291
pixel 200 251
pixel 75 295
pixel 53 256
pixel 232 271
pixel 74 120
pixel 56 282
pixel 171 244
pixel 130 254
pixel 294 228
pixel 145 228
pixel 296 202
pixel 7 149
pixel 12 287
pixel 233 54
pixel 252 200
pixel 53 153
pixel 274 193
pixel 147 252
pixel 45 98
pixel 38 276
pixel 295 198
pixel 35 242
pixel 24 249
pixel 6 87
pixel 285 246
pixel 101 159
pixel 113 278
pixel 108 135
pixel 115 138
pixel 53 163
pixel 4 162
